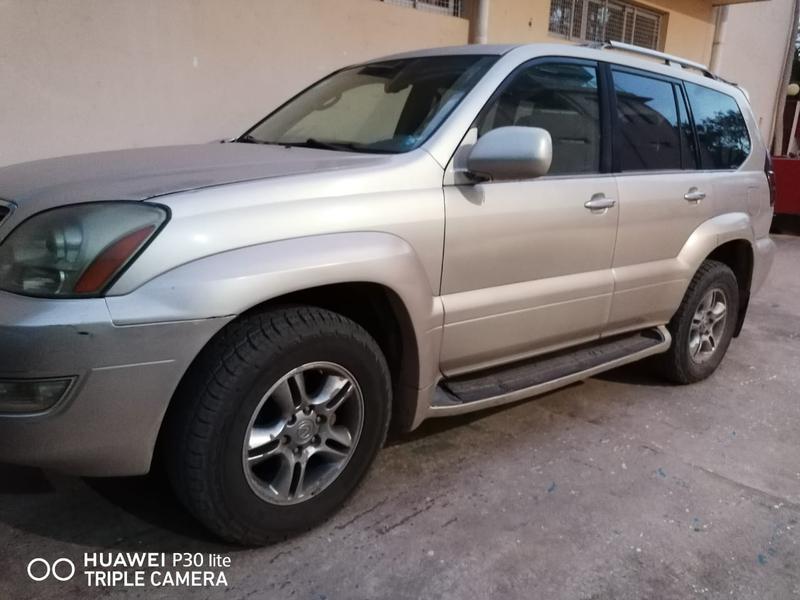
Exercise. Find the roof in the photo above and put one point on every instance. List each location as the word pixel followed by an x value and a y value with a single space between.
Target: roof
pixel 482 49
pixel 648 60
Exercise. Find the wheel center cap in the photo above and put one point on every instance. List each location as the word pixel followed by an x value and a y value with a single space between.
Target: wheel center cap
pixel 305 430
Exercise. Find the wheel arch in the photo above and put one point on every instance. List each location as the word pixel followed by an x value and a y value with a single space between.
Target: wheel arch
pixel 738 255
pixel 729 239
pixel 374 279
pixel 382 313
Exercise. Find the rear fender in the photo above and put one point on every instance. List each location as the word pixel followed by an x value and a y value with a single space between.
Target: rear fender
pixel 707 238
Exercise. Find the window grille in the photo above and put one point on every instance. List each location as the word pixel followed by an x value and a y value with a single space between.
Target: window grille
pixel 451 8
pixel 601 20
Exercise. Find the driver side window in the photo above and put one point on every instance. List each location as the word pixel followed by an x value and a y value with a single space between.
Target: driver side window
pixel 561 98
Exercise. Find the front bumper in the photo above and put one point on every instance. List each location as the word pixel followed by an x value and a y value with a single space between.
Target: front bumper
pixel 108 422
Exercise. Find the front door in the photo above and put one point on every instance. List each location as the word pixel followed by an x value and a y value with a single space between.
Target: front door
pixel 527 264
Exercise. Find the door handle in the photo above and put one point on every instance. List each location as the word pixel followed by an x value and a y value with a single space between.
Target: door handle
pixel 599 203
pixel 694 195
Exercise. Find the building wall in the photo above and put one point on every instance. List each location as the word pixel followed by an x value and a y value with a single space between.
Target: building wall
pixel 689 24
pixel 752 52
pixel 88 75
pixel 690 28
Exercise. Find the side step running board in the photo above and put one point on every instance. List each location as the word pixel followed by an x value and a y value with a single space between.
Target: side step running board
pixel 544 373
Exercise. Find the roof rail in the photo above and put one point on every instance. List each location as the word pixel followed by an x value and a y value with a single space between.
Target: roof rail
pixel 668 59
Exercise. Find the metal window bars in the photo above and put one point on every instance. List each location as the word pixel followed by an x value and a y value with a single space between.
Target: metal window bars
pixel 453 8
pixel 601 20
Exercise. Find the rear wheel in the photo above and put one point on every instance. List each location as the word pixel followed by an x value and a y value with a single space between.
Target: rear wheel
pixel 703 326
pixel 278 423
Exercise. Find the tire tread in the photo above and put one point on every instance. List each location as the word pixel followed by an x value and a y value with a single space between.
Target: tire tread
pixel 674 365
pixel 215 375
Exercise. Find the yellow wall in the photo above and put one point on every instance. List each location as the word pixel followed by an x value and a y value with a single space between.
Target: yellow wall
pixel 89 75
pixel 690 28
pixel 689 24
pixel 520 21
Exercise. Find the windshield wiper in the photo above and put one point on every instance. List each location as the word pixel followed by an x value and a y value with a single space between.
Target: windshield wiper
pixel 249 139
pixel 314 143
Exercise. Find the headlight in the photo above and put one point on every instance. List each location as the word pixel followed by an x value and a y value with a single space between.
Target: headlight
pixel 78 250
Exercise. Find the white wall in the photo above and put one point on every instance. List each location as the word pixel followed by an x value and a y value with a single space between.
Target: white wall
pixel 85 75
pixel 752 53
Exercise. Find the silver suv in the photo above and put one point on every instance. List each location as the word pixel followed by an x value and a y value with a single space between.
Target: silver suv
pixel 418 236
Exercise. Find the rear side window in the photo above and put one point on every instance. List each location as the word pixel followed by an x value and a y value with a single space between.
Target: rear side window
pixel 721 129
pixel 559 97
pixel 649 126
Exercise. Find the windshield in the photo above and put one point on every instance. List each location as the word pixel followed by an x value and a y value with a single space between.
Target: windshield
pixel 391 106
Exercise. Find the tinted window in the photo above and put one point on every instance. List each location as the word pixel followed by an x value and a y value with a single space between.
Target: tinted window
pixel 649 131
pixel 561 98
pixel 721 129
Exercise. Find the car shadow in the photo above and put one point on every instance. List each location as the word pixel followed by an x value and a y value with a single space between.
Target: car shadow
pixel 139 512
pixel 126 513
pixel 439 425
pixel 641 373
pixel 120 513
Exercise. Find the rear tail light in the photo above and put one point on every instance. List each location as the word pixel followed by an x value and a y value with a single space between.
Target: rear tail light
pixel 770 173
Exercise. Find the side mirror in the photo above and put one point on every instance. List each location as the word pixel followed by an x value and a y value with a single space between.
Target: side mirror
pixel 509 153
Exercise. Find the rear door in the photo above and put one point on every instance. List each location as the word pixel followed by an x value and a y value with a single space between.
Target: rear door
pixel 663 196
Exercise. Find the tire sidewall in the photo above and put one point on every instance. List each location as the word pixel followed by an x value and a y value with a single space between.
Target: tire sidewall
pixel 369 371
pixel 720 277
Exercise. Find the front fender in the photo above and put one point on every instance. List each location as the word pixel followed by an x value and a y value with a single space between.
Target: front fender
pixel 232 282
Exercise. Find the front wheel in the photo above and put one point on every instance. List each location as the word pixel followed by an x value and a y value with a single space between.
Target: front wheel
pixel 280 420
pixel 703 326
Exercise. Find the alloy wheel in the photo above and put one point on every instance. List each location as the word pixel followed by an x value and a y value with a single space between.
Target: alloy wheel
pixel 708 325
pixel 303 433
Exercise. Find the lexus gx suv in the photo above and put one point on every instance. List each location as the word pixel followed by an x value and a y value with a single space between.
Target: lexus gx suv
pixel 417 236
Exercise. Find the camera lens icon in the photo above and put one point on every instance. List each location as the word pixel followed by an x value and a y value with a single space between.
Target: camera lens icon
pixel 62 569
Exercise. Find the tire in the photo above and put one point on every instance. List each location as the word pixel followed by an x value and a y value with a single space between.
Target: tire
pixel 243 388
pixel 688 361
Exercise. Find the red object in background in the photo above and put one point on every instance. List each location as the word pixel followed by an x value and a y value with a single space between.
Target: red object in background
pixel 787 179
pixel 788 119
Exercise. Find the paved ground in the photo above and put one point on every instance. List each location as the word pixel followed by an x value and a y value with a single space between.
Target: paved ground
pixel 619 487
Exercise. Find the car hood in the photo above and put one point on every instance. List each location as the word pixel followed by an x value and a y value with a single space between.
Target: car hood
pixel 151 172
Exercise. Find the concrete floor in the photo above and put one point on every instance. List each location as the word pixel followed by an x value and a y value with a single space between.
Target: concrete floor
pixel 619 487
